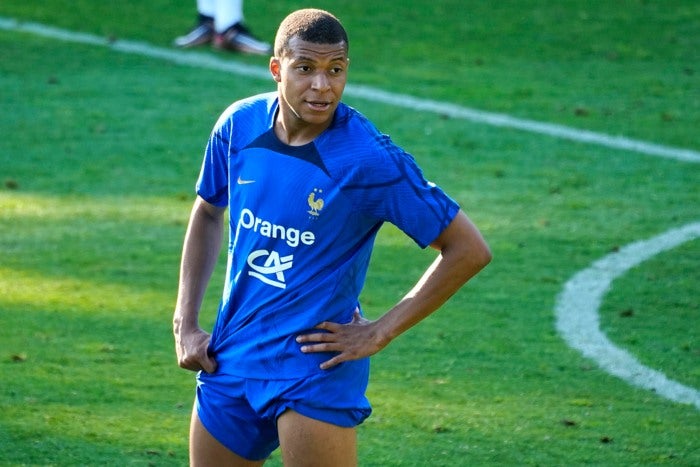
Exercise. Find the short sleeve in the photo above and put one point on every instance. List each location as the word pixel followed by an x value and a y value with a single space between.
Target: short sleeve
pixel 390 186
pixel 213 181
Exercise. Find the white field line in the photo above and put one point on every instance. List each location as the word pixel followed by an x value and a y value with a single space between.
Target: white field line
pixel 578 321
pixel 208 61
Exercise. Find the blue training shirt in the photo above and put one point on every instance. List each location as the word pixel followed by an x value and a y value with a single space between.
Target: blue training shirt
pixel 303 220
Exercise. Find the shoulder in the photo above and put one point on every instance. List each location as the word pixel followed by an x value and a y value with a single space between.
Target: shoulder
pixel 349 120
pixel 245 120
pixel 357 152
pixel 260 108
pixel 353 134
pixel 361 134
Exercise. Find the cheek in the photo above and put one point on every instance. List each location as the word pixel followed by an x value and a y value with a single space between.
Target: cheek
pixel 339 87
pixel 294 89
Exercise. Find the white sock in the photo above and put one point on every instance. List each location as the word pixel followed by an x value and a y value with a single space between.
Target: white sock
pixel 206 8
pixel 228 13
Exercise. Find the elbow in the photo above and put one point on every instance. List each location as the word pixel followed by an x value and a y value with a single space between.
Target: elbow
pixel 464 244
pixel 481 256
pixel 471 259
pixel 476 254
pixel 487 256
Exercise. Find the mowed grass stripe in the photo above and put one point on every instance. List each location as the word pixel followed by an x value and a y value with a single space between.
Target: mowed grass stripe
pixel 211 62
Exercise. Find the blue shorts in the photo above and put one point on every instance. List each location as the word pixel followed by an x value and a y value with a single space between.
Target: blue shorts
pixel 242 413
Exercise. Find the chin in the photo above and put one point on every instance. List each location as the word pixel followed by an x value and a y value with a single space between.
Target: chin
pixel 319 119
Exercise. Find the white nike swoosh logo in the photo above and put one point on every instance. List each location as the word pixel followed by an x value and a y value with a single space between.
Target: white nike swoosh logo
pixel 244 182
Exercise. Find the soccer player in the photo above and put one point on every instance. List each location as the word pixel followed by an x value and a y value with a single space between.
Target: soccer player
pixel 307 182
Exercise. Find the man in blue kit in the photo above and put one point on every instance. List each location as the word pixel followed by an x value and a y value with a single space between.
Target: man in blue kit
pixel 307 181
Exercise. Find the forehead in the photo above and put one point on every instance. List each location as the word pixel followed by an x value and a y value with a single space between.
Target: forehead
pixel 298 48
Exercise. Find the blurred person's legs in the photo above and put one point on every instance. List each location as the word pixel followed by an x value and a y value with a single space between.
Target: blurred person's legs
pixel 221 22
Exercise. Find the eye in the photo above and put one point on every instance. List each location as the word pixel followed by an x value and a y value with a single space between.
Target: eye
pixel 304 68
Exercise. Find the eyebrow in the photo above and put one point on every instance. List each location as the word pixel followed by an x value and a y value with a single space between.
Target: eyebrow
pixel 305 58
pixel 341 54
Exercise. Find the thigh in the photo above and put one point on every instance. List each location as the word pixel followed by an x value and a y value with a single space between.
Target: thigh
pixel 223 409
pixel 206 451
pixel 306 442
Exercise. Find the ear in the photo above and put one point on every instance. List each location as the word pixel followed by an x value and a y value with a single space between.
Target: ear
pixel 275 69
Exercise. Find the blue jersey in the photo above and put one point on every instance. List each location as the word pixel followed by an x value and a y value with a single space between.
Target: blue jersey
pixel 303 220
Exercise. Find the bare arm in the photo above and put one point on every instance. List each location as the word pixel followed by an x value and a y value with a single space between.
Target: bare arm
pixel 463 253
pixel 199 255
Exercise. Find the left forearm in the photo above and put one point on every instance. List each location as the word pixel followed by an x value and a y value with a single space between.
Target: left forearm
pixel 434 288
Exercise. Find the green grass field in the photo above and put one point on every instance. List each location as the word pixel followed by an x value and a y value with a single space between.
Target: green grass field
pixel 99 151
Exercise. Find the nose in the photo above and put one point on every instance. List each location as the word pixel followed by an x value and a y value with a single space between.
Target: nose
pixel 320 82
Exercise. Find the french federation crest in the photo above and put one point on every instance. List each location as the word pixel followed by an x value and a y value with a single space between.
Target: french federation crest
pixel 315 203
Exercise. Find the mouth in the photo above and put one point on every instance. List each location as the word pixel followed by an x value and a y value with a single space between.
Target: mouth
pixel 319 106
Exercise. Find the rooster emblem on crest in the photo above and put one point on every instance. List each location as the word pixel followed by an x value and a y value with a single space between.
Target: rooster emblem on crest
pixel 316 204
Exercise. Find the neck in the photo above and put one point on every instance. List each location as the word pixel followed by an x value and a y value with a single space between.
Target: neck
pixel 293 130
pixel 296 133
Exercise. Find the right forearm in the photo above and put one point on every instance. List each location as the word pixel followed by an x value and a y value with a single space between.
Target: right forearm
pixel 199 256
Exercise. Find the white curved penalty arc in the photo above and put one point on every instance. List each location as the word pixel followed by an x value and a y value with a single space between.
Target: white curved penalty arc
pixel 578 322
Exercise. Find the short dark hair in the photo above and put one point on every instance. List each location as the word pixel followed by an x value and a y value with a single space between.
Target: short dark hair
pixel 310 25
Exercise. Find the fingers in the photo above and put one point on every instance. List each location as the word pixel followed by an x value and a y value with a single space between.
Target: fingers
pixel 325 347
pixel 209 365
pixel 323 342
pixel 341 357
pixel 331 363
pixel 206 364
pixel 319 342
pixel 349 341
pixel 332 328
pixel 193 352
pixel 345 351
pixel 315 337
pixel 329 326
